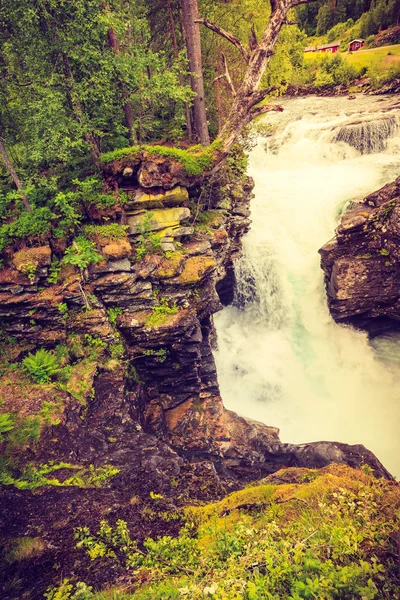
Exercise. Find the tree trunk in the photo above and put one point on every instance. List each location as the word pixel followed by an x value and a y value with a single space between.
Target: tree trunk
pixel 14 176
pixel 181 79
pixel 244 107
pixel 193 44
pixel 127 104
pixel 78 111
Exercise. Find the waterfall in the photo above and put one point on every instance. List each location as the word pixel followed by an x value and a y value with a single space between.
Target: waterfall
pixel 368 137
pixel 281 359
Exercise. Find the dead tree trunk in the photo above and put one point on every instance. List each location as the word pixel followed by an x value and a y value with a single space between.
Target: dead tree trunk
pixel 14 176
pixel 247 102
pixel 190 15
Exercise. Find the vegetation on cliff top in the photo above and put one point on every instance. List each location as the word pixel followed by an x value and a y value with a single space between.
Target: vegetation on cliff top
pixel 195 159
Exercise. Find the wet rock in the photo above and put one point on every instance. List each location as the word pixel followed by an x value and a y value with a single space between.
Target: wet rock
pixel 361 264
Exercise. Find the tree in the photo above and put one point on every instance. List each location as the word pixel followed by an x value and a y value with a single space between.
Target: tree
pixel 14 176
pixel 247 104
pixel 190 14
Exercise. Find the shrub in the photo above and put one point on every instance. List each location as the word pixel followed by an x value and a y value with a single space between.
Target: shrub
pixel 330 538
pixel 35 224
pixel 41 366
pixel 82 253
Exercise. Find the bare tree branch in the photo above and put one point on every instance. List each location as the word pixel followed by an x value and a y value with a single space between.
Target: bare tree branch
pixel 227 35
pixel 228 76
pixel 260 95
pixel 258 111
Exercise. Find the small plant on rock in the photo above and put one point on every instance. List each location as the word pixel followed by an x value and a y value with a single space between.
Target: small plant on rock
pixel 113 313
pixel 41 366
pixel 161 311
pixel 82 253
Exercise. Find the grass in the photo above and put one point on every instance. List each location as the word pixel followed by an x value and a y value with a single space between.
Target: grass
pixel 375 57
pixel 24 549
pixel 382 60
pixel 326 535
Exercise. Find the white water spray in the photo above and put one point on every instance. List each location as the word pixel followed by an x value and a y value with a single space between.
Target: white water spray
pixel 281 359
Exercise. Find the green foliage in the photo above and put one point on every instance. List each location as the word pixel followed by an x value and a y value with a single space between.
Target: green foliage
pixel 54 271
pixel 160 312
pixel 37 476
pixel 195 160
pixel 7 423
pixel 63 309
pixel 324 69
pixel 113 313
pixel 82 253
pixel 116 350
pixel 67 591
pixel 89 191
pixel 160 354
pixel 29 225
pixel 148 241
pixel 325 539
pixel 93 341
pixel 41 366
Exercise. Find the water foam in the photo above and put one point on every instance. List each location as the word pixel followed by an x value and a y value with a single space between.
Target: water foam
pixel 281 358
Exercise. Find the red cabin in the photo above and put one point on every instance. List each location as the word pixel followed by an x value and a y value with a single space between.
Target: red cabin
pixel 326 48
pixel 356 45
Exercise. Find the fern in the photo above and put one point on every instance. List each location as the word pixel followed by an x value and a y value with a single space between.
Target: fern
pixel 41 366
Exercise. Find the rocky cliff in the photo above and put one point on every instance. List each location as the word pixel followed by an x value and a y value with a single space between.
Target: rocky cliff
pixel 361 263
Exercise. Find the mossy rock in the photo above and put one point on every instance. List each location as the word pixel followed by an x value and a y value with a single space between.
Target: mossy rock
pixel 170 267
pixel 195 269
pixel 157 220
pixel 168 198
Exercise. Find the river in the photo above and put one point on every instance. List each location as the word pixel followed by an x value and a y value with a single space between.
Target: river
pixel 281 359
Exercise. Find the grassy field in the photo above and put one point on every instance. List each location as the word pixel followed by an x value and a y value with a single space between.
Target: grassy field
pixel 379 64
pixel 381 58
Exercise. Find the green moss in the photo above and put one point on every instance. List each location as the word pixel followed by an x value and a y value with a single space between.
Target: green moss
pixel 105 233
pixel 161 313
pixel 195 160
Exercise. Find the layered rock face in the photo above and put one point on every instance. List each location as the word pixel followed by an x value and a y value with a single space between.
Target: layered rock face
pixel 148 307
pixel 361 263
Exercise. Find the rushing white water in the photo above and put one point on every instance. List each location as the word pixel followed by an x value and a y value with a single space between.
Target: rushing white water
pixel 281 359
